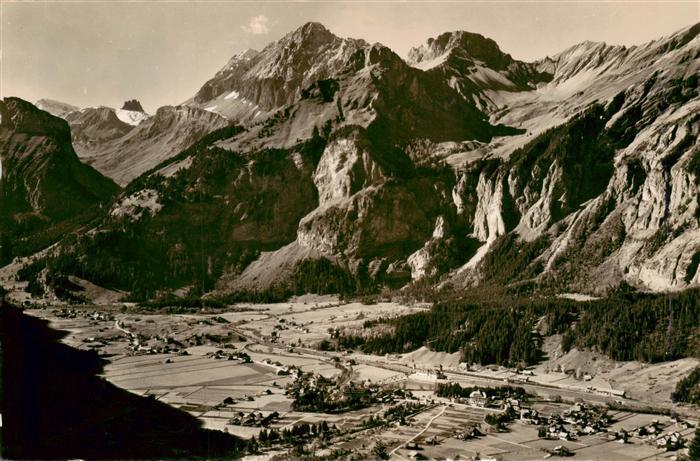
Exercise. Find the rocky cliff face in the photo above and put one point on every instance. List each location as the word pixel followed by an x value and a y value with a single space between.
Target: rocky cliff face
pixel 471 64
pixel 41 173
pixel 308 80
pixel 609 196
pixel 132 105
pixel 201 215
pixel 371 82
pixel 123 151
pixel 276 76
pixel 574 173
pixel 42 182
pixel 93 126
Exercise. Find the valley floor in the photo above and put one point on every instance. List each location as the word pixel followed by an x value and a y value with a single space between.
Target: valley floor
pixel 193 362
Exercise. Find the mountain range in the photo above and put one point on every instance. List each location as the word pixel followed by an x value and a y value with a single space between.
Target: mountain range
pixel 333 161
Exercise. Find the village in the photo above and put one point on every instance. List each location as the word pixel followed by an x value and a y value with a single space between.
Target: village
pixel 260 372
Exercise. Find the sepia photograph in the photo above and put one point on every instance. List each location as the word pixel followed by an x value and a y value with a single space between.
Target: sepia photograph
pixel 350 230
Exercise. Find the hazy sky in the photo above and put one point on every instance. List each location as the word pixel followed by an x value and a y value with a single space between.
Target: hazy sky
pixel 102 53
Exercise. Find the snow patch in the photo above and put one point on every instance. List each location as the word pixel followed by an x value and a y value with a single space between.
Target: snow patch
pixel 132 117
pixel 430 63
pixel 489 77
pixel 134 205
pixel 234 94
pixel 577 297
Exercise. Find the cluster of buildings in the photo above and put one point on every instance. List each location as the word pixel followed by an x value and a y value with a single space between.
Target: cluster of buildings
pixel 254 419
pixel 284 324
pixel 140 344
pixel 430 375
pixel 283 370
pixel 653 433
pixel 470 432
pixel 578 420
pixel 479 398
pixel 229 355
pixel 670 442
pixel 416 454
pixel 92 315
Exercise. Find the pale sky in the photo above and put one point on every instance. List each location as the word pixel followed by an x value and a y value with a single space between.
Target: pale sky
pixel 161 52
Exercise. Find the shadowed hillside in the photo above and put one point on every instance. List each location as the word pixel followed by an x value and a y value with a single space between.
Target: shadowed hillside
pixel 54 405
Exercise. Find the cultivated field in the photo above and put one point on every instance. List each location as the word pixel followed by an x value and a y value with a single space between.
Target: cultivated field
pixel 233 365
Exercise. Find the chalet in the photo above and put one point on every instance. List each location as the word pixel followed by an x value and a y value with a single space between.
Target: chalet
pixel 574 409
pixel 561 450
pixel 432 440
pixel 590 429
pixel 470 432
pixel 622 436
pixel 529 416
pixel 513 403
pixel 558 431
pixel 670 442
pixel 478 399
pixel 565 435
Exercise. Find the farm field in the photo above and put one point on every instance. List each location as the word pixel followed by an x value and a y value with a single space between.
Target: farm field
pixel 233 368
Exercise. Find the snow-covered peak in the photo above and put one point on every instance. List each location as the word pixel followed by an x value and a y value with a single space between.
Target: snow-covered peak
pixel 56 108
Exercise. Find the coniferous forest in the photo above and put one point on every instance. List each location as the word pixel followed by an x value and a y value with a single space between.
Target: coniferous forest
pixel 508 331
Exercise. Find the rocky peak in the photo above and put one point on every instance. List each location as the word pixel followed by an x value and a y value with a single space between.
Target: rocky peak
pixel 473 65
pixel 311 30
pixel 467 44
pixel 683 37
pixel 94 125
pixel 380 54
pixel 132 104
pixel 275 76
pixel 57 108
pixel 675 51
pixel 171 114
pixel 43 175
pixel 23 117
pixel 246 55
pixel 589 56
pixel 239 60
pixel 103 116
